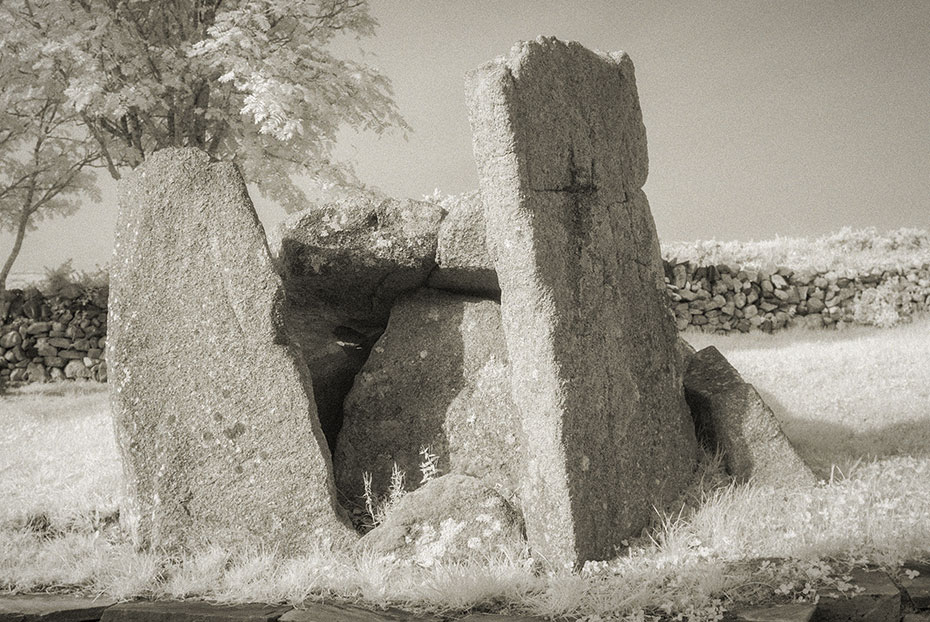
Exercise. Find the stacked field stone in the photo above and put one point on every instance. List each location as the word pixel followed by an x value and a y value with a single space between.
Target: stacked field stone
pixel 63 338
pixel 722 298
pixel 59 337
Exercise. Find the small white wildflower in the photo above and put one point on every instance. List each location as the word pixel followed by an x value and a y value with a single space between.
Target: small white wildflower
pixel 428 465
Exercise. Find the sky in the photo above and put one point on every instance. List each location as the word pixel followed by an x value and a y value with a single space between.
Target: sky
pixel 764 118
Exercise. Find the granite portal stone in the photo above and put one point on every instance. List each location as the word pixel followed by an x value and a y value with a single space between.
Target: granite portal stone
pixel 228 451
pixel 561 153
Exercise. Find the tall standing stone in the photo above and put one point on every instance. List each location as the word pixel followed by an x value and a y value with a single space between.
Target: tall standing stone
pixel 213 408
pixel 561 153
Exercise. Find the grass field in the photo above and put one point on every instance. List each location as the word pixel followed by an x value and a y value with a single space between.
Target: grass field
pixel 854 402
pixel 858 250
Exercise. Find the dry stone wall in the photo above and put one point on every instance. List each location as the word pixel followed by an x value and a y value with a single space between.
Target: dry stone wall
pixel 63 337
pixel 722 298
pixel 57 337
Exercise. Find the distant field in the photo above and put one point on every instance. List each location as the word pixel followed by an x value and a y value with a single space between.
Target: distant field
pixel 19 280
pixel 859 250
pixel 57 452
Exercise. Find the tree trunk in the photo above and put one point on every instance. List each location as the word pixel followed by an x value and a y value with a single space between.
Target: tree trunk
pixel 201 103
pixel 17 245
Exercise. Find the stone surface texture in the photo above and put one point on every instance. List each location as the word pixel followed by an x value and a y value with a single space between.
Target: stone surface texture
pixel 917 586
pixel 191 611
pixel 729 414
pixel 786 612
pixel 324 612
pixel 451 519
pixel 879 600
pixel 561 152
pixel 463 262
pixel 52 608
pixel 357 255
pixel 225 451
pixel 438 378
pixel 343 264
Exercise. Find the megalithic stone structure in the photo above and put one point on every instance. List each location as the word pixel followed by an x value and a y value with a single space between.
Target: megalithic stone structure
pixel 561 153
pixel 228 451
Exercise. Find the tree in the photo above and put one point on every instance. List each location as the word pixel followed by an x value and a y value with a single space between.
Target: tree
pixel 249 81
pixel 43 155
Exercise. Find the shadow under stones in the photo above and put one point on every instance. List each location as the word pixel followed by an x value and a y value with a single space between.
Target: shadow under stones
pixel 823 444
pixel 334 312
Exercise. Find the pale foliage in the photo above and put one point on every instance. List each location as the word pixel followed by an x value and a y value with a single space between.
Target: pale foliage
pixel 43 158
pixel 885 305
pixel 249 81
pixel 379 508
pixel 429 468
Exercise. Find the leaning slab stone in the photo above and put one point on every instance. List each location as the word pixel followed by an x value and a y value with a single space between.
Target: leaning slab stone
pixel 729 413
pixel 343 264
pixel 439 377
pixel 561 153
pixel 213 408
pixel 451 519
pixel 463 263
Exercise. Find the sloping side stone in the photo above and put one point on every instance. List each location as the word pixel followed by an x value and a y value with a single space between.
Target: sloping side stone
pixel 729 413
pixel 464 264
pixel 561 153
pixel 213 408
pixel 439 377
pixel 451 519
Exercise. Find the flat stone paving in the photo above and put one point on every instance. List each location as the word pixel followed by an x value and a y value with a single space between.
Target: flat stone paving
pixel 881 600
pixel 52 608
pixel 192 611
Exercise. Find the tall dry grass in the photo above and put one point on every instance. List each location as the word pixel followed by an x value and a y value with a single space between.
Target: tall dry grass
pixel 855 398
